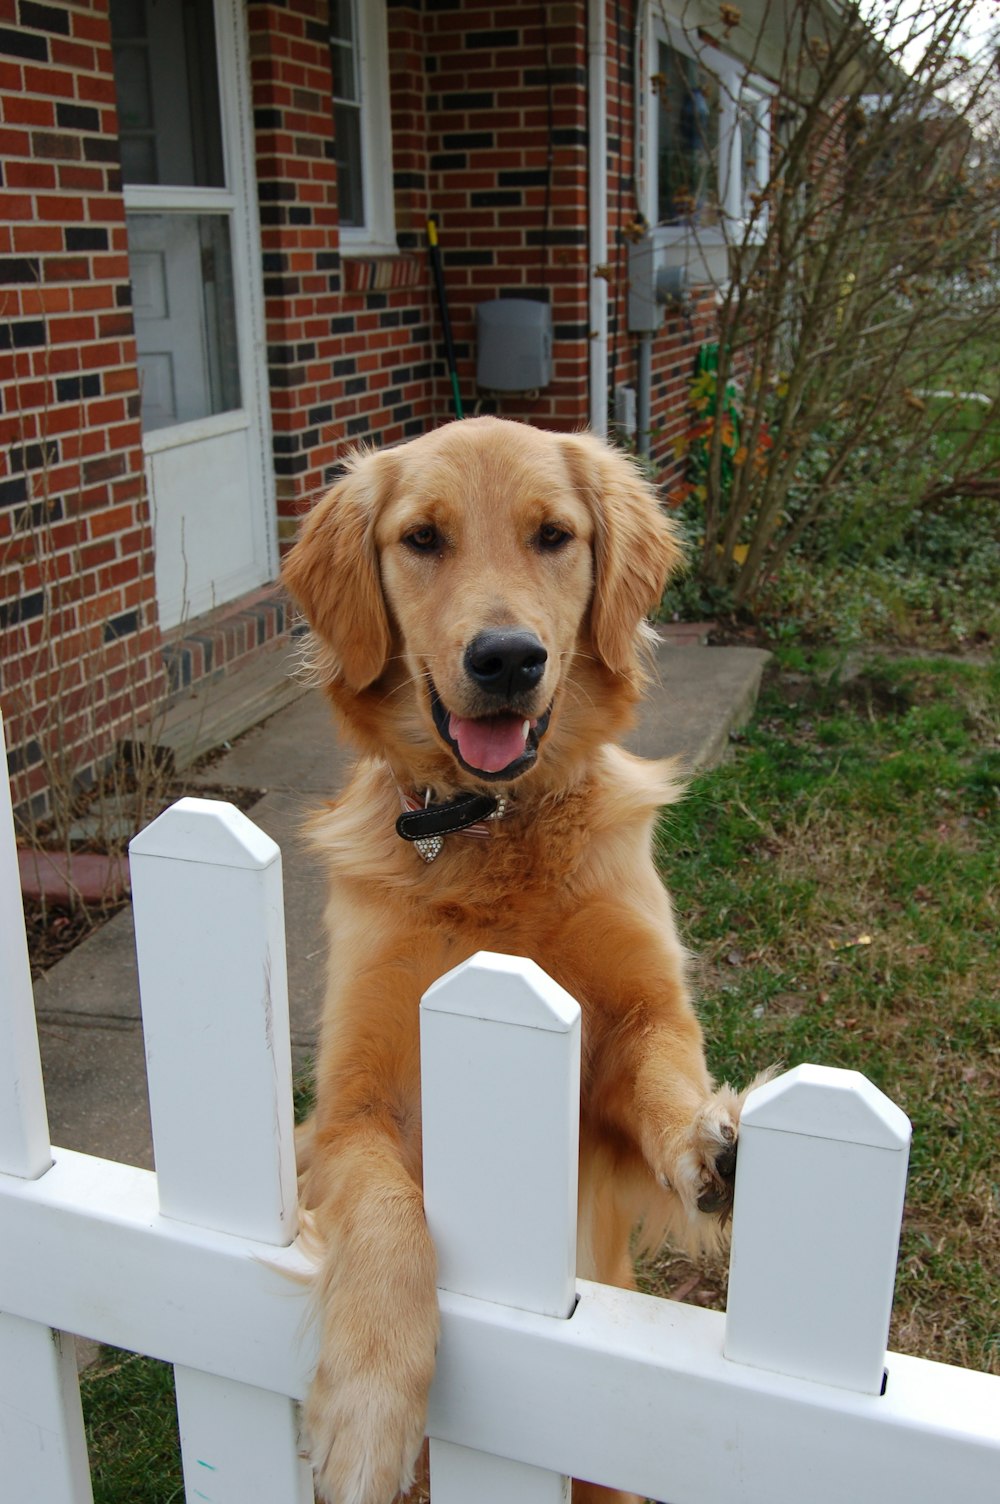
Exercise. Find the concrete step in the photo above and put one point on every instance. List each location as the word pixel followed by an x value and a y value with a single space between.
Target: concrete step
pixel 697 698
pixel 216 712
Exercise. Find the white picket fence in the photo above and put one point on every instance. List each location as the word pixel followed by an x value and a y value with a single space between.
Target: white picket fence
pixel 540 1375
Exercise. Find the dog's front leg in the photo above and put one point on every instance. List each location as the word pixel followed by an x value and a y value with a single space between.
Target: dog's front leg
pixel 377 1307
pixel 645 1073
pixel 656 1087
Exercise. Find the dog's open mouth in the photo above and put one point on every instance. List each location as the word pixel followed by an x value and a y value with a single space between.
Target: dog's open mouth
pixel 491 746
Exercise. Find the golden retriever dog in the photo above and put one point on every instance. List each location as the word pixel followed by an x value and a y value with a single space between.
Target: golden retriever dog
pixel 477 599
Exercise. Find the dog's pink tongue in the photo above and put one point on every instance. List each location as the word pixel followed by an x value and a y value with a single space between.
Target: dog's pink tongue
pixel 491 744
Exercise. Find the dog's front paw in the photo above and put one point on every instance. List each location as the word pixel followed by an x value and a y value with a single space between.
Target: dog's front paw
pixel 700 1161
pixel 364 1436
pixel 706 1165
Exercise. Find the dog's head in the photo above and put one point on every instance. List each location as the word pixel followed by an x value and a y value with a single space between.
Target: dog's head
pixel 477 587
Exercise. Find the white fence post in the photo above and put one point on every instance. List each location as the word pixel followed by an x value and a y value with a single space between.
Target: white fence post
pixel 24 1127
pixel 210 938
pixel 41 1422
pixel 43 1448
pixel 500 1070
pixel 819 1201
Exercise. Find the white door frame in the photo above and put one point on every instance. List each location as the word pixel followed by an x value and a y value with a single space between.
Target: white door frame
pixel 238 201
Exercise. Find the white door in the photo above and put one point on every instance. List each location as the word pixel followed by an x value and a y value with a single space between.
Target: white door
pixel 182 82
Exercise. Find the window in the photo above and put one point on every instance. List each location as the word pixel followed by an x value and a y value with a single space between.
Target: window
pixel 710 131
pixel 753 119
pixel 362 134
pixel 687 140
pixel 179 209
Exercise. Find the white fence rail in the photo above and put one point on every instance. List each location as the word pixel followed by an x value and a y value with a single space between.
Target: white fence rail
pixel 540 1375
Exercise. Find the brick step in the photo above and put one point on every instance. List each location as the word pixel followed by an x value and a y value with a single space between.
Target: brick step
pixel 217 711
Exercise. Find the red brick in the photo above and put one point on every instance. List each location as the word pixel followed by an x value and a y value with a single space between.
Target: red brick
pixel 72 54
pixel 71 330
pixel 40 239
pixel 80 178
pixel 48 81
pixel 19 110
pixel 91 28
pixel 65 268
pixel 96 90
pixel 94 295
pixel 115 325
pixel 15 143
pixel 16 205
pixel 121 381
pixel 36 175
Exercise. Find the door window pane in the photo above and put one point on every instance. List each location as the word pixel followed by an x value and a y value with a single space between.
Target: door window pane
pixel 167 86
pixel 185 316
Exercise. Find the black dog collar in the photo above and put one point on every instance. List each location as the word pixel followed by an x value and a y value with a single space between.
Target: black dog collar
pixel 426 824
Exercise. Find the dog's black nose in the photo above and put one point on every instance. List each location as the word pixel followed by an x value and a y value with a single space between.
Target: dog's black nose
pixel 505 661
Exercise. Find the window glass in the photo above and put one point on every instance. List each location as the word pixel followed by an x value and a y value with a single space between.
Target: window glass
pixel 167 87
pixel 181 269
pixel 687 140
pixel 350 192
pixel 347 122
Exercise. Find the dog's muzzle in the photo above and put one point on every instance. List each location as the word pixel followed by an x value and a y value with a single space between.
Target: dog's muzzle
pixel 503 667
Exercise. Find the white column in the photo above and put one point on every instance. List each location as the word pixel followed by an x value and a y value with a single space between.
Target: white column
pixel 500 1083
pixel 210 937
pixel 819 1201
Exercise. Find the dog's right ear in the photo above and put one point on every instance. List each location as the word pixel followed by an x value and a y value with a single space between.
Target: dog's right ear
pixel 636 548
pixel 333 574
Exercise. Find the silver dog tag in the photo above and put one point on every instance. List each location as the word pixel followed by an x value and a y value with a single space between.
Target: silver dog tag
pixel 429 847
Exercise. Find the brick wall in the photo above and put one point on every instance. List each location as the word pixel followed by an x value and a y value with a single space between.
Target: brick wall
pixel 507 181
pixel 489 131
pixel 349 359
pixel 489 136
pixel 77 607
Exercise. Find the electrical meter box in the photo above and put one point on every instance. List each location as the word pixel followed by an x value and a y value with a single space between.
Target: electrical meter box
pixel 513 345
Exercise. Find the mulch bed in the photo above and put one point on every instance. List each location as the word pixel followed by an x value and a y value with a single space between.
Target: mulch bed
pixel 53 929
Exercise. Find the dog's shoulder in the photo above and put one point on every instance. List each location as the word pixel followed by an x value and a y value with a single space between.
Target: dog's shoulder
pixel 630 789
pixel 355 833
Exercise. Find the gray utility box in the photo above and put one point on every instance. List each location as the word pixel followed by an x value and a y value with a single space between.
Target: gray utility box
pixel 663 267
pixel 513 345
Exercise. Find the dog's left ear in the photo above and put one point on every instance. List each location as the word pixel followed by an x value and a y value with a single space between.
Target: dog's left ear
pixel 636 547
pixel 333 574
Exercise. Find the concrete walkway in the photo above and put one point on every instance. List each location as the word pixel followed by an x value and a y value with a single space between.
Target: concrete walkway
pixel 88 1004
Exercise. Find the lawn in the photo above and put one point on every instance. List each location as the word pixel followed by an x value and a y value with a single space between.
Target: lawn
pixel 838 880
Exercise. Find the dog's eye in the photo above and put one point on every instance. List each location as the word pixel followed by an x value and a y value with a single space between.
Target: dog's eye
pixel 551 536
pixel 425 540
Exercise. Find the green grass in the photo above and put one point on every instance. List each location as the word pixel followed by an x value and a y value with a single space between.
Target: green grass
pixel 849 809
pixel 128 1408
pixel 839 881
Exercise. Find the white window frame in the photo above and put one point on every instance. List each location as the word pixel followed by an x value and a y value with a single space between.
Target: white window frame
pixel 737 84
pixel 377 236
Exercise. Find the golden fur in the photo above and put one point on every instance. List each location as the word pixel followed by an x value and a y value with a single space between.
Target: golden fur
pixel 481 525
